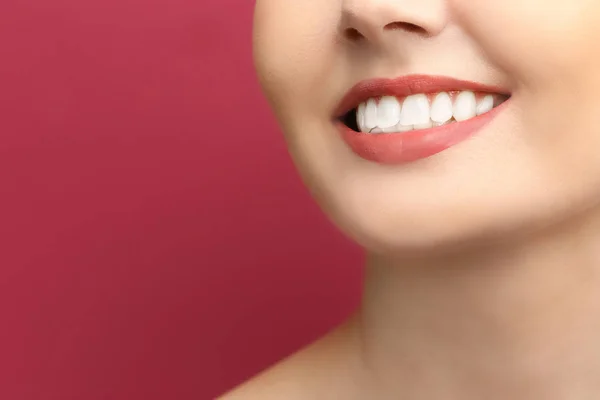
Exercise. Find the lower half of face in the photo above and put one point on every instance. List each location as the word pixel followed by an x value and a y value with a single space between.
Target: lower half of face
pixel 536 163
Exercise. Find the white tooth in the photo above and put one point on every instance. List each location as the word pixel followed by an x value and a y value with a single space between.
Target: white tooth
pixel 370 114
pixel 415 110
pixel 441 109
pixel 388 112
pixel 465 106
pixel 360 117
pixel 402 128
pixel 376 130
pixel 485 105
pixel 424 126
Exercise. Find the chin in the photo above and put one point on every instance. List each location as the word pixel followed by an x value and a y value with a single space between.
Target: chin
pixel 428 232
pixel 455 226
pixel 421 224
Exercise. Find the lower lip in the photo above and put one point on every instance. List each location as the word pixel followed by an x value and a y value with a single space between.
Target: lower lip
pixel 404 147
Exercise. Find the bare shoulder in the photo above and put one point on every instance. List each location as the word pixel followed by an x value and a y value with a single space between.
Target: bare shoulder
pixel 323 370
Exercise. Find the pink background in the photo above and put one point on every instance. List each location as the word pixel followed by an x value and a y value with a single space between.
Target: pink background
pixel 155 240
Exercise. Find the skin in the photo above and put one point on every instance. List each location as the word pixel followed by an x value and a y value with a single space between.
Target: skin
pixel 483 271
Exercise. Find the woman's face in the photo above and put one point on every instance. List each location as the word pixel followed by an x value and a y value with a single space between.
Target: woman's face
pixel 532 161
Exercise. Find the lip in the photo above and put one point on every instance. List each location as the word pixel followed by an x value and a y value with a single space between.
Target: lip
pixel 398 148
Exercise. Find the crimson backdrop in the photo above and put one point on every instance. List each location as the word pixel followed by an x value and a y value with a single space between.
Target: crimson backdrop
pixel 155 241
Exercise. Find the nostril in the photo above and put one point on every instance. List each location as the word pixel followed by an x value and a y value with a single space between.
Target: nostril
pixel 406 26
pixel 353 34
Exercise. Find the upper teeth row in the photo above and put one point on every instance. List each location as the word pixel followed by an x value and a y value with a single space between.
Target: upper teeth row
pixel 417 112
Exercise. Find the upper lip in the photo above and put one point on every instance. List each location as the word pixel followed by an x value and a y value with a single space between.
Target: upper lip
pixel 406 86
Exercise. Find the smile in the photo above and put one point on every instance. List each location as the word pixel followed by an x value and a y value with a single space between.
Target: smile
pixel 403 120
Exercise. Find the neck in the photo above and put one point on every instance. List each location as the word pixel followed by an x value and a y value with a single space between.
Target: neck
pixel 515 321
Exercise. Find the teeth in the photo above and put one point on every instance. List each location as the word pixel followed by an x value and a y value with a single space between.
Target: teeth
pixel 404 128
pixel 441 109
pixel 371 114
pixel 465 106
pixel 388 112
pixel 390 115
pixel 399 128
pixel 360 117
pixel 415 110
pixel 486 104
pixel 426 125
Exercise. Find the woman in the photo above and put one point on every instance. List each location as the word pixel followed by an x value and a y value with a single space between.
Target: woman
pixel 458 142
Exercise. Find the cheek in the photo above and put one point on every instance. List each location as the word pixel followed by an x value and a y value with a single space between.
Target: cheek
pixel 535 40
pixel 551 54
pixel 296 53
pixel 292 48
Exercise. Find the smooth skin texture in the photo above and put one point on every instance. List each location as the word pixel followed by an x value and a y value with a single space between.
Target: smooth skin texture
pixel 483 271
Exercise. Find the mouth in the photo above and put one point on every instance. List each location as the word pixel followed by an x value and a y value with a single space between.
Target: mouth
pixel 395 121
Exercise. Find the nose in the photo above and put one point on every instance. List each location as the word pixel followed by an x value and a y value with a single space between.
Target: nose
pixel 374 20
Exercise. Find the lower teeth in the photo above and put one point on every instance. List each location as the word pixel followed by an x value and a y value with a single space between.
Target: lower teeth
pixel 401 129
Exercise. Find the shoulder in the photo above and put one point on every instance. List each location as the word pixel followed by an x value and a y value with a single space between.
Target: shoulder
pixel 323 370
pixel 285 380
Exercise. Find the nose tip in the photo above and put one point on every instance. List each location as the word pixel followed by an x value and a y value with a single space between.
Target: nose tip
pixel 376 19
